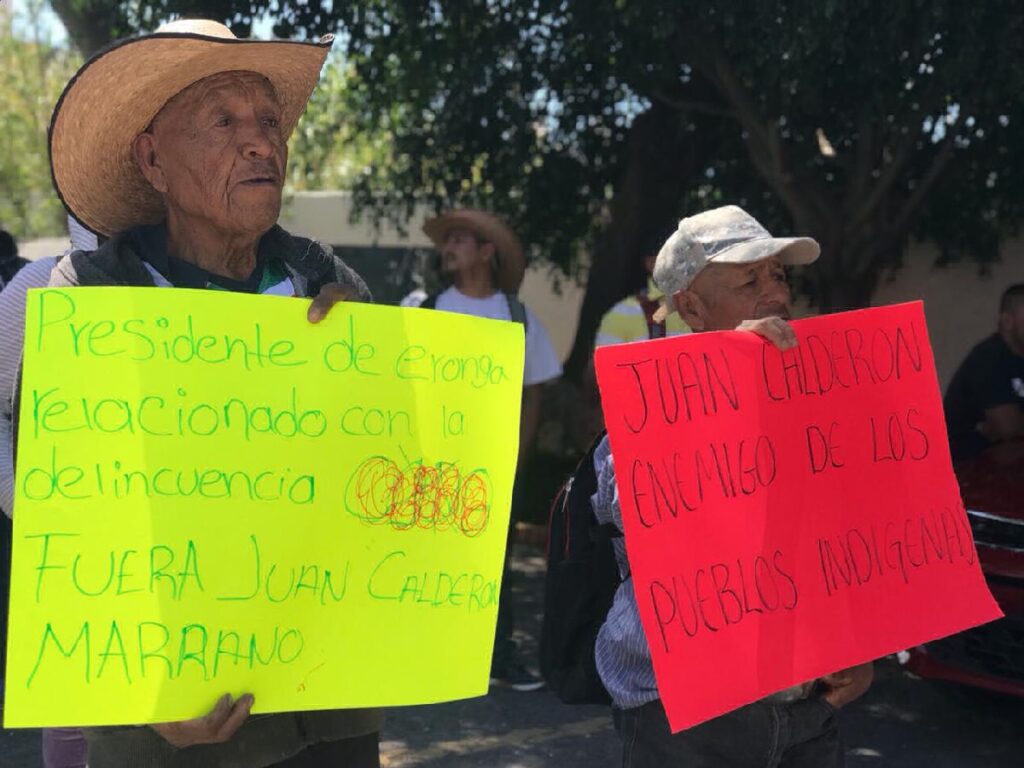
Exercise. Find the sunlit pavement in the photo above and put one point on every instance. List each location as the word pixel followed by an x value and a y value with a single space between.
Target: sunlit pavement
pixel 902 722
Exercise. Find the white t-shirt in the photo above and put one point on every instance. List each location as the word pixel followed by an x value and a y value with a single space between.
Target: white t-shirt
pixel 541 364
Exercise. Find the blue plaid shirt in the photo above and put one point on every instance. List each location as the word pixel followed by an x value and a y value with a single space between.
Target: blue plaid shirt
pixel 623 657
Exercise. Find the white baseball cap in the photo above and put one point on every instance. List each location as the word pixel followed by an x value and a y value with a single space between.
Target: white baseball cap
pixel 726 235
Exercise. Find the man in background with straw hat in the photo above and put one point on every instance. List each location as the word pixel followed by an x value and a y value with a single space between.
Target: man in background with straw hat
pixel 485 262
pixel 721 271
pixel 174 146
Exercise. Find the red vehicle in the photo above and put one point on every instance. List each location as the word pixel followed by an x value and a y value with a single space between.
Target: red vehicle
pixel 990 656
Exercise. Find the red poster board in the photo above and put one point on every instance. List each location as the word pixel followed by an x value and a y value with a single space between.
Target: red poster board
pixel 791 514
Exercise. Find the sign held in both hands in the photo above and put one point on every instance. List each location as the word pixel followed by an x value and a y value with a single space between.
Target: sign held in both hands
pixel 787 514
pixel 214 495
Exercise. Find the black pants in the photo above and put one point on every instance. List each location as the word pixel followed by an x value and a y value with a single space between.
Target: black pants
pixel 360 752
pixel 801 734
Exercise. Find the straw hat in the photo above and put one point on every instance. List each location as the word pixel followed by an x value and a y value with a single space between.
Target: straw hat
pixel 118 92
pixel 511 262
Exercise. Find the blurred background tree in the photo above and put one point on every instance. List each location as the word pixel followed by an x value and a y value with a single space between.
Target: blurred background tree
pixel 33 72
pixel 590 122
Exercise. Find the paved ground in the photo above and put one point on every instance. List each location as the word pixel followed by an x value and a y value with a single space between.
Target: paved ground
pixel 903 722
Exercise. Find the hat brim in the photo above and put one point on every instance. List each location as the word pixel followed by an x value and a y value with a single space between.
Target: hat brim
pixel 118 92
pixel 792 251
pixel 511 260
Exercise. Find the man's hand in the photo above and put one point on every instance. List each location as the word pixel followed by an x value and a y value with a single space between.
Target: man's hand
pixel 776 330
pixel 329 295
pixel 215 728
pixel 843 687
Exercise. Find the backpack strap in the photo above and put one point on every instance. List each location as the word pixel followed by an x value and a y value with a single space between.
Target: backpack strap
pixel 516 309
pixel 655 330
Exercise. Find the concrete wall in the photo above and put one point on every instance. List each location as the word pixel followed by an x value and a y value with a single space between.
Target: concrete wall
pixel 961 305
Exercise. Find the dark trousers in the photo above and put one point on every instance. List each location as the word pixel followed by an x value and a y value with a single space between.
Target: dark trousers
pixel 800 734
pixel 360 752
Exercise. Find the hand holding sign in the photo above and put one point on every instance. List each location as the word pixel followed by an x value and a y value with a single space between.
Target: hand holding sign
pixel 215 728
pixel 841 688
pixel 776 330
pixel 329 295
pixel 789 510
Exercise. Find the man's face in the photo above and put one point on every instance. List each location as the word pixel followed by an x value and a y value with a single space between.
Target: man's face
pixel 216 152
pixel 724 295
pixel 1011 324
pixel 461 251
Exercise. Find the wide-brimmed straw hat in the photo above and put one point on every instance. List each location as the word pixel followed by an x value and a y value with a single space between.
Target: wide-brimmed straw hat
pixel 118 92
pixel 726 235
pixel 511 262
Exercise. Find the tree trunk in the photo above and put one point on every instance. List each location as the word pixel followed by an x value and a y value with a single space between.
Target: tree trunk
pixel 845 276
pixel 660 159
pixel 91 24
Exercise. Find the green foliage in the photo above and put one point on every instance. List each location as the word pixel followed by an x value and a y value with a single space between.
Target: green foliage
pixel 527 105
pixel 327 151
pixel 32 75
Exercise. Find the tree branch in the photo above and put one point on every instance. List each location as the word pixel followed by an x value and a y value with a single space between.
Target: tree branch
pixel 764 146
pixel 903 153
pixel 864 160
pixel 913 203
pixel 683 105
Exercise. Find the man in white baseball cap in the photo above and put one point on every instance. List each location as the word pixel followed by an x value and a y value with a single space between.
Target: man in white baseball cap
pixel 720 270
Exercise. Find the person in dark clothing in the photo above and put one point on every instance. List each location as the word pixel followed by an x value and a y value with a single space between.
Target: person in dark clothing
pixel 985 400
pixel 10 261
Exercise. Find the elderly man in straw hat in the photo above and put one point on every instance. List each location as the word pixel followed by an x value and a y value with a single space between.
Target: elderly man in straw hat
pixel 174 145
pixel 484 260
pixel 720 270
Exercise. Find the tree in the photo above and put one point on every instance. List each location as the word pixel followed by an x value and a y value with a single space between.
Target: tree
pixel 93 24
pixel 32 74
pixel 587 122
pixel 327 151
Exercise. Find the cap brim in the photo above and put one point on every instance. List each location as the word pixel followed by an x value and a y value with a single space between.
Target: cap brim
pixel 792 251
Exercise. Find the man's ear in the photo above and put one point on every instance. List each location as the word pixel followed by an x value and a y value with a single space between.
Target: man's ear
pixel 691 308
pixel 144 149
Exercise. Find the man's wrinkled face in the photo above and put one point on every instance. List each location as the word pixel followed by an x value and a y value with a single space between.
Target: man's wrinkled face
pixel 216 152
pixel 462 251
pixel 728 294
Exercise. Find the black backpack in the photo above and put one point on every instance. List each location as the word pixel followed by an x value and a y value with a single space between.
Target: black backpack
pixel 579 588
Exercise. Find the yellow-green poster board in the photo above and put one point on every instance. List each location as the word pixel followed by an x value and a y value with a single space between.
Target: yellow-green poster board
pixel 214 495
